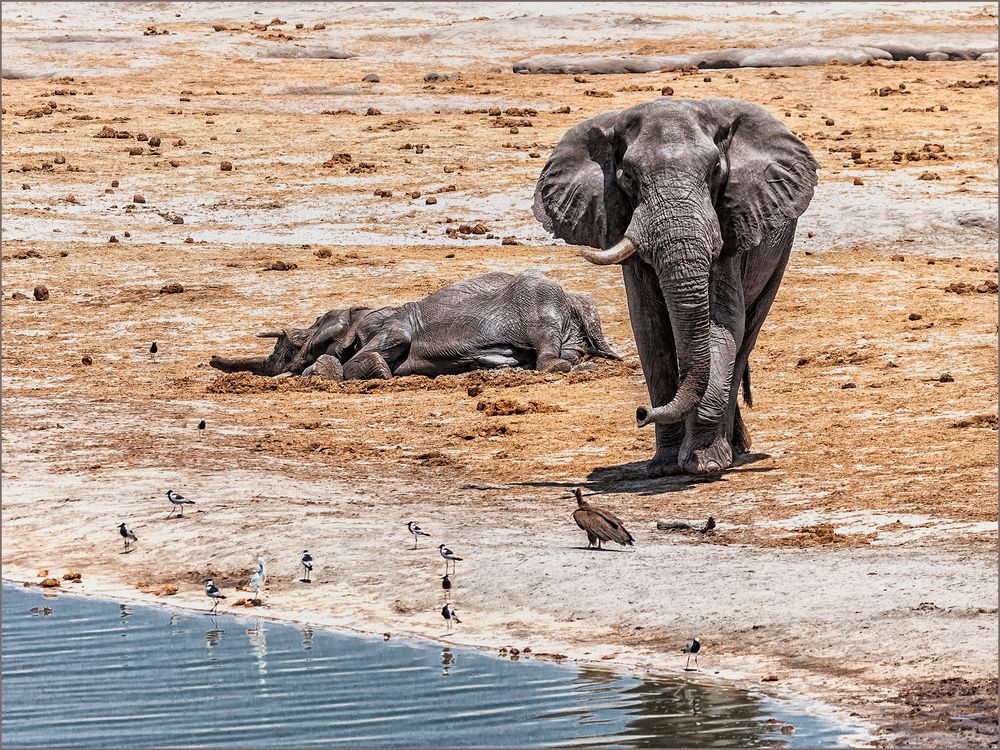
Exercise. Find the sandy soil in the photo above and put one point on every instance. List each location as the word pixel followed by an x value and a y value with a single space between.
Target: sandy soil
pixel 855 556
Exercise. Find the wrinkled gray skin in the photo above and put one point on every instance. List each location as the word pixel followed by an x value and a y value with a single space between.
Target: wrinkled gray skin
pixel 698 201
pixel 489 321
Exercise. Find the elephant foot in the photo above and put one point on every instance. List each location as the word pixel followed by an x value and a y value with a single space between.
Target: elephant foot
pixel 371 366
pixel 711 460
pixel 554 365
pixel 326 366
pixel 663 465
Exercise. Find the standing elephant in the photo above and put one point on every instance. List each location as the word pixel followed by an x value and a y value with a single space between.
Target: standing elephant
pixel 698 201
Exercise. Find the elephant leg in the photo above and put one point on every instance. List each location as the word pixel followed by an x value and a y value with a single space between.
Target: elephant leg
pixel 757 311
pixel 655 341
pixel 546 340
pixel 381 356
pixel 707 443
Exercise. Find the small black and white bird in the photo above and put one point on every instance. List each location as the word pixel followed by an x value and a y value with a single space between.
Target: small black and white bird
pixel 446 585
pixel 307 566
pixel 416 531
pixel 709 525
pixel 693 647
pixel 447 554
pixel 258 579
pixel 449 614
pixel 213 593
pixel 127 534
pixel 152 351
pixel 201 428
pixel 178 501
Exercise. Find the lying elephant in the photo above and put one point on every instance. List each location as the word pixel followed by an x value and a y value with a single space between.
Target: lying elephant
pixel 489 321
pixel 698 201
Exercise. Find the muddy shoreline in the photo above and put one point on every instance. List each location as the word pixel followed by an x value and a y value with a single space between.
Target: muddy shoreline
pixel 855 557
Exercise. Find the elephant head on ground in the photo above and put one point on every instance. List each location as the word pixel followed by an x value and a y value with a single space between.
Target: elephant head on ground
pixel 698 201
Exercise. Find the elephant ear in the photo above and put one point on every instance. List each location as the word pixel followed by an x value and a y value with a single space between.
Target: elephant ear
pixel 771 173
pixel 577 198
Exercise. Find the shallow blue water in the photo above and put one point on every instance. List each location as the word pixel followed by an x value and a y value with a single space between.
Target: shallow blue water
pixel 96 673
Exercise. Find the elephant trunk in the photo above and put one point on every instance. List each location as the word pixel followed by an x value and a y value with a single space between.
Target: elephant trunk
pixel 683 235
pixel 256 365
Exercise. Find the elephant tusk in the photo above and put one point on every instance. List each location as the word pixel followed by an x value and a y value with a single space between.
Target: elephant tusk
pixel 616 254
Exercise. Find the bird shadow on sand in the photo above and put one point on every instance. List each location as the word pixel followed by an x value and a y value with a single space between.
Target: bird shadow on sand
pixel 596 549
pixel 631 478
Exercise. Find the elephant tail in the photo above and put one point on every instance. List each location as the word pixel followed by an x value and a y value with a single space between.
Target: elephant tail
pixel 747 394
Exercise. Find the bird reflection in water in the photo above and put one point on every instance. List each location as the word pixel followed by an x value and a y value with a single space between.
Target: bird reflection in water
pixel 258 639
pixel 307 638
pixel 447 661
pixel 213 636
pixel 124 611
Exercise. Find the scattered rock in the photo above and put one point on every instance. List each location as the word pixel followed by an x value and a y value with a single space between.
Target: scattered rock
pixel 41 292
pixel 929 176
pixel 946 377
pixel 60 159
pixel 371 78
pixel 112 239
pixel 667 91
pixel 858 181
pixel 172 288
pixel 915 316
pixel 107 132
pixel 87 360
pixel 505 407
pixel 769 678
pixel 372 111
pixel 138 198
pixel 898 258
pixel 323 252
pixel 154 142
pixel 50 583
pixel 135 151
pixel 280 265
pixel 226 166
pixel 73 576
pixel 19 295
pixel 431 201
pixel 564 110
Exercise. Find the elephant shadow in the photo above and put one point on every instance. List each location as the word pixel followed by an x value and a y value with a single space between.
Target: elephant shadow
pixel 631 477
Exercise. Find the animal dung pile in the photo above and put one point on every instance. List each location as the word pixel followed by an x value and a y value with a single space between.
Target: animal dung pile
pixel 505 407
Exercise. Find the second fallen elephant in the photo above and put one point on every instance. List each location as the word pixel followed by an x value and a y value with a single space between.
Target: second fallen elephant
pixel 489 321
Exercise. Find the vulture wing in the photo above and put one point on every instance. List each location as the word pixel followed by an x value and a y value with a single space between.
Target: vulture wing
pixel 604 525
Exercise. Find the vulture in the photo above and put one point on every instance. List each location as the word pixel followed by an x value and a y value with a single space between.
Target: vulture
pixel 600 525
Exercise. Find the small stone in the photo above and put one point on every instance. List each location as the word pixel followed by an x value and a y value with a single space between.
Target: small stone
pixel 50 583
pixel 769 678
pixel 135 151
pixel 788 729
pixel 533 154
pixel 480 229
pixel 19 295
pixel 72 576
pixel 154 142
pixel 946 377
pixel 915 316
pixel 174 163
pixel 106 132
pixel 60 159
pixel 667 91
pixel 563 110
pixel 319 27
pixel 189 240
pixel 414 195
pixel 25 186
pixel 180 142
pixel 898 258
pixel 87 360
pixel 810 235
pixel 172 288
pixel 112 239
pixel 114 183
pixel 138 198
pixel 218 27
pixel 847 386
pixel 372 111
pixel 323 252
pixel 514 131
pixel 142 137
pixel 41 292
pixel 858 181
pixel 371 78
pixel 707 79
pixel 929 176
pixel 829 122
pixel 431 201
pixel 226 166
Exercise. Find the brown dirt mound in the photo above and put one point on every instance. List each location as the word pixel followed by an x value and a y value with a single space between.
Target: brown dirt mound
pixel 243 382
pixel 821 535
pixel 505 407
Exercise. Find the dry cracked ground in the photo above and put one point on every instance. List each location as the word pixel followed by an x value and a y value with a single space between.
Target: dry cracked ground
pixel 855 554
